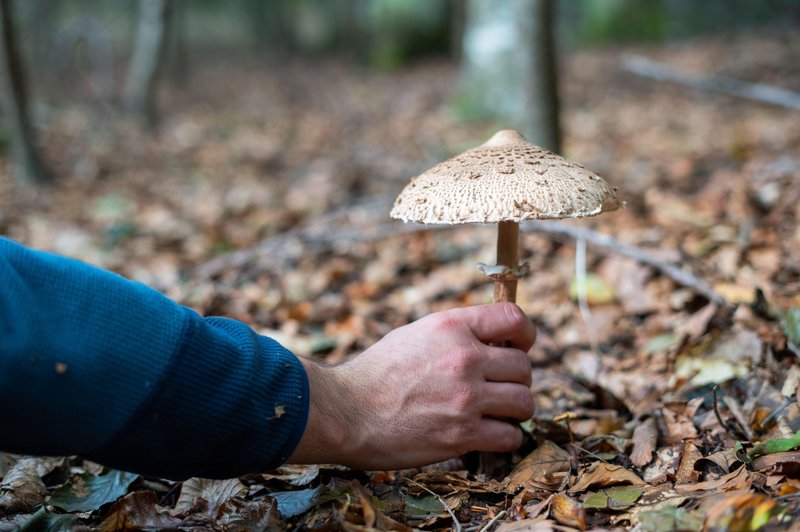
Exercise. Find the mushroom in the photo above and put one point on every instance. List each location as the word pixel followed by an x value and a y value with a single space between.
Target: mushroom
pixel 505 181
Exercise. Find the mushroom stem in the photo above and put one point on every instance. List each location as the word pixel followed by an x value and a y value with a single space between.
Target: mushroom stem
pixel 508 256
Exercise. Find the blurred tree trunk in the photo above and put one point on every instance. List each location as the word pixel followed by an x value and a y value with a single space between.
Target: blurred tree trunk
pixel 458 20
pixel 148 56
pixel 29 167
pixel 541 123
pixel 509 67
pixel 177 61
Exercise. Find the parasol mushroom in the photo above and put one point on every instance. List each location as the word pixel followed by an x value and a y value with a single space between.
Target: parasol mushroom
pixel 505 181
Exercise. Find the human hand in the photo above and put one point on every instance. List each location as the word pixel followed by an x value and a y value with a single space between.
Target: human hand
pixel 426 392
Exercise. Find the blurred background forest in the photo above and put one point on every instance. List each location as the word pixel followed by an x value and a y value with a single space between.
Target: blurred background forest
pixel 242 157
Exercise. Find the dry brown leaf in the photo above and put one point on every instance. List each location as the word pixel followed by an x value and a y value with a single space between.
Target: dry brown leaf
pixel 138 511
pixel 665 465
pixel 686 472
pixel 214 492
pixel 679 418
pixel 601 475
pixel 370 518
pixel 533 525
pixel 786 463
pixel 644 442
pixel 718 463
pixel 735 510
pixel 22 488
pixel 547 468
pixel 735 480
pixel 568 511
pixel 445 482
pixel 697 324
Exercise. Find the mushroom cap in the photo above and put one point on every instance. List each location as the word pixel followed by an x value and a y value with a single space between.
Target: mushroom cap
pixel 505 179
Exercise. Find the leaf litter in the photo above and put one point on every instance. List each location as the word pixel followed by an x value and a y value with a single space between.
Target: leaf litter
pixel 684 417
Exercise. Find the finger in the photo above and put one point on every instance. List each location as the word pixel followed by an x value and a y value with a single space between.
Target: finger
pixel 497 436
pixel 505 400
pixel 499 323
pixel 504 364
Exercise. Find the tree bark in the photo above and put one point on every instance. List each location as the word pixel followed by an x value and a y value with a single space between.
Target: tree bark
pixel 148 56
pixel 510 68
pixel 536 20
pixel 28 165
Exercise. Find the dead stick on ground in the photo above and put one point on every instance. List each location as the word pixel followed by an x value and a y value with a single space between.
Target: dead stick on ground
pixel 356 223
pixel 607 243
pixel 759 92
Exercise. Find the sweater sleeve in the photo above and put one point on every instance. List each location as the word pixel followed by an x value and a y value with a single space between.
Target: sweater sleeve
pixel 95 365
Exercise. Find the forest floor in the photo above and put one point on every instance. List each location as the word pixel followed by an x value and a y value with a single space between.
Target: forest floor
pixel 264 197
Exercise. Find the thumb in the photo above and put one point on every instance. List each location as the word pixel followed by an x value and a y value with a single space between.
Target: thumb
pixel 497 323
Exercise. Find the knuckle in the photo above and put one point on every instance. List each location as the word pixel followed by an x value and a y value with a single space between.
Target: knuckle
pixel 461 435
pixel 510 439
pixel 463 400
pixel 464 358
pixel 523 363
pixel 526 402
pixel 516 318
pixel 447 322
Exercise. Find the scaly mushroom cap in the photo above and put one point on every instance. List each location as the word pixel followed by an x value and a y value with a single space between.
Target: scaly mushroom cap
pixel 505 179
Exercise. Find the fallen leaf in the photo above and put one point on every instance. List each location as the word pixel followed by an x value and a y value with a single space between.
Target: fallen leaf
pixel 644 442
pixel 296 475
pixel 784 463
pixel 547 468
pixel 614 498
pixel 22 488
pixel 41 520
pixel 136 511
pixel 670 519
pixel 533 525
pixel 292 503
pixel 598 292
pixel 686 472
pixel 600 474
pixel 791 326
pixel 568 511
pixel 742 510
pixel 89 492
pixel 735 480
pixel 214 492
pixel 665 465
pixel 776 445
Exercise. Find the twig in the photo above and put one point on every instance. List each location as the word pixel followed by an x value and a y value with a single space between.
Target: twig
pixel 741 420
pixel 607 243
pixel 491 523
pixel 759 92
pixel 456 523
pixel 588 452
pixel 580 281
pixel 725 425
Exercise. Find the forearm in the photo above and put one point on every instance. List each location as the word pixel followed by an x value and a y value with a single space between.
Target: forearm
pixel 96 365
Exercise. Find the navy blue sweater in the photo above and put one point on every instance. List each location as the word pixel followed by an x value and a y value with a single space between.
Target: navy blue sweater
pixel 92 364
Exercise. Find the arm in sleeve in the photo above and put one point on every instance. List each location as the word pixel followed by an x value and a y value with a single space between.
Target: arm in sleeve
pixel 95 365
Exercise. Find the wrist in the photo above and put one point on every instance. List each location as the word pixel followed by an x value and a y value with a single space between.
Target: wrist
pixel 327 436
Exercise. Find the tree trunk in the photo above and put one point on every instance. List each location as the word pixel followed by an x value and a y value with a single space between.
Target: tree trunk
pixel 541 123
pixel 148 56
pixel 509 67
pixel 28 165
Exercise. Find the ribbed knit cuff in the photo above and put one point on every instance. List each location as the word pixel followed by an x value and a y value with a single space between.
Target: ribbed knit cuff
pixel 230 403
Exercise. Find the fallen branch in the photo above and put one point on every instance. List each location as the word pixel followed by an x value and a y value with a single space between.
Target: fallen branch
pixel 759 92
pixel 357 224
pixel 609 244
